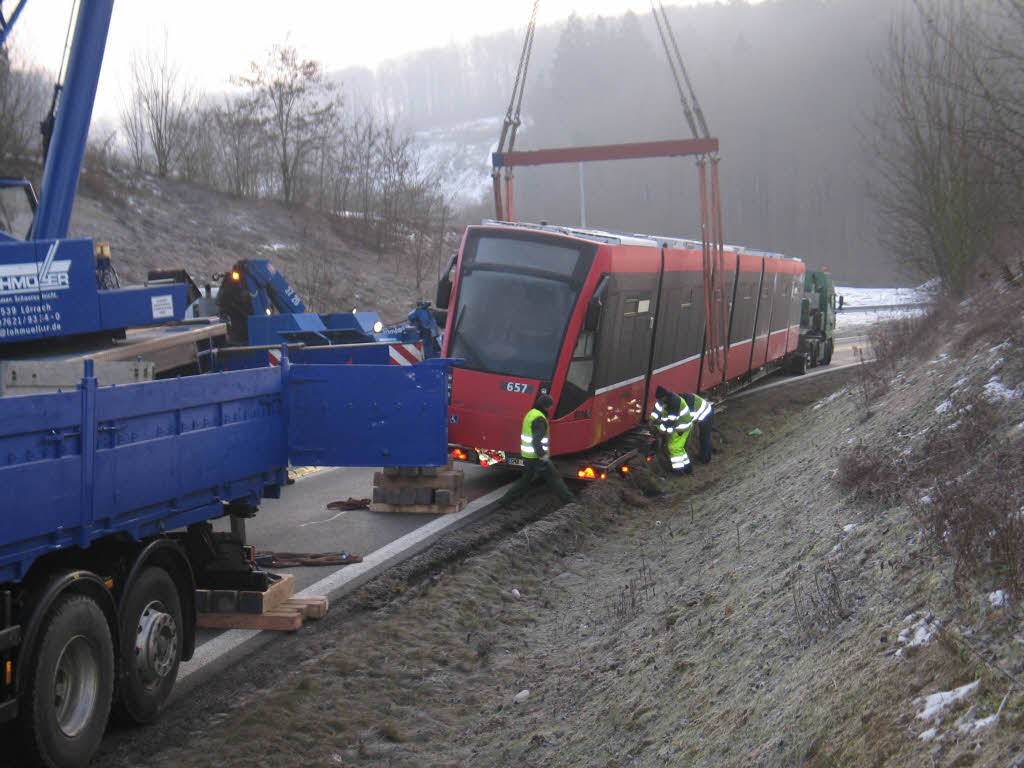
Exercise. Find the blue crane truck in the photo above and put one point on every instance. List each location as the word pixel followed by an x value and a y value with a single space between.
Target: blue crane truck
pixel 107 493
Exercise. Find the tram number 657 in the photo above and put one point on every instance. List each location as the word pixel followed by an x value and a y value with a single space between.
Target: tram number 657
pixel 520 387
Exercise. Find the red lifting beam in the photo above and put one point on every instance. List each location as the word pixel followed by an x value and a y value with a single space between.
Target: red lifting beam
pixel 668 148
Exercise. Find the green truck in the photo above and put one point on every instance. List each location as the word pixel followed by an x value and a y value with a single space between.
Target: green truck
pixel 817 321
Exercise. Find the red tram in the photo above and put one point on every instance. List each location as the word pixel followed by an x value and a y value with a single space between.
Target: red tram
pixel 599 320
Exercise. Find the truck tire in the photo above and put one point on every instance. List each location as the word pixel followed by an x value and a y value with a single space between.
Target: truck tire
pixel 151 641
pixel 70 684
pixel 826 358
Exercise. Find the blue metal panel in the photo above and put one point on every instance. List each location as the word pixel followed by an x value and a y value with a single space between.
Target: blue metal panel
pixel 157 455
pixel 142 305
pixel 239 358
pixel 145 458
pixel 368 415
pixel 266 329
pixel 40 468
pixel 47 288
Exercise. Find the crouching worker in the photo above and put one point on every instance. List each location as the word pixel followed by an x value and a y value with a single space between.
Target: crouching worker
pixel 535 449
pixel 671 420
pixel 702 411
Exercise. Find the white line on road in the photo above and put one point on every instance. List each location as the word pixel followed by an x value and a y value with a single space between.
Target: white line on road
pixel 328 520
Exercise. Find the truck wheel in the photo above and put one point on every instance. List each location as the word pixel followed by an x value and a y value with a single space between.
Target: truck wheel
pixel 71 684
pixel 151 639
pixel 827 357
pixel 798 364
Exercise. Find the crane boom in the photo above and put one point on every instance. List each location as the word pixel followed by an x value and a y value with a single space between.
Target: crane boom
pixel 71 127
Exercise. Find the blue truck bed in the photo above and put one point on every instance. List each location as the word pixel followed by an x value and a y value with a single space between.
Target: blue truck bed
pixel 145 458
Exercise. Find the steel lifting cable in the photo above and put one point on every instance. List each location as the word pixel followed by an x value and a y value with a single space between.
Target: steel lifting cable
pixel 682 68
pixel 712 239
pixel 512 113
pixel 687 110
pixel 512 120
pixel 524 66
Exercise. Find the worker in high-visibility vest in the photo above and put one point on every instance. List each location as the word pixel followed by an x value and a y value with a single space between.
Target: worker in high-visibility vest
pixel 671 421
pixel 535 450
pixel 701 411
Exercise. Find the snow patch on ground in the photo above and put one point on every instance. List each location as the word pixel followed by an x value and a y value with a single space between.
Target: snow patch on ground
pixel 834 396
pixel 922 629
pixel 933 705
pixel 996 391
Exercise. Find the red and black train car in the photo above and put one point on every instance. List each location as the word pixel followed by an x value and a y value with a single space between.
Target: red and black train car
pixel 599 320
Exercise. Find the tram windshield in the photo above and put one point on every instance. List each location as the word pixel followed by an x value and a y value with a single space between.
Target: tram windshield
pixel 516 293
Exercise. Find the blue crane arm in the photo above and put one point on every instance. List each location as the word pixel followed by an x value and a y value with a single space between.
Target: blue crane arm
pixel 269 289
pixel 71 127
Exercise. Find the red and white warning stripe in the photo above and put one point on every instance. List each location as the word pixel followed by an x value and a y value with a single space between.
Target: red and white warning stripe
pixel 274 356
pixel 405 354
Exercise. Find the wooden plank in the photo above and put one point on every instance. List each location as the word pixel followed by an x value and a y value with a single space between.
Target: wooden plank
pixel 276 593
pixel 419 509
pixel 312 606
pixel 450 479
pixel 284 620
pixel 245 601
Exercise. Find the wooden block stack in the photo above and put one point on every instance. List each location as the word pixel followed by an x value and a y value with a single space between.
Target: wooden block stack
pixel 276 608
pixel 418 490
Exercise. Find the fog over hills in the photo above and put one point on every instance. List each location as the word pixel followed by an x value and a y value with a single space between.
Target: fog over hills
pixel 789 87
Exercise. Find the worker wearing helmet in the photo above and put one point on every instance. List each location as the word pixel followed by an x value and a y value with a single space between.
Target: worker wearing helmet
pixel 671 421
pixel 702 411
pixel 535 450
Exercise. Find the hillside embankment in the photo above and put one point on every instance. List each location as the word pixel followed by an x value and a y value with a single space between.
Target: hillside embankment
pixel 155 223
pixel 840 586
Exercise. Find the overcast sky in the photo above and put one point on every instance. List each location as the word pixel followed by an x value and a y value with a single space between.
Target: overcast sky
pixel 215 39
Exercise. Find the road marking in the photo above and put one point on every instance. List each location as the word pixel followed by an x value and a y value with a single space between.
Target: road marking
pixel 328 520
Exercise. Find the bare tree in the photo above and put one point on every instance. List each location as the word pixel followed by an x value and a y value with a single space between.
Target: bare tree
pixel 23 95
pixel 133 128
pixel 298 107
pixel 243 144
pixel 941 184
pixel 157 106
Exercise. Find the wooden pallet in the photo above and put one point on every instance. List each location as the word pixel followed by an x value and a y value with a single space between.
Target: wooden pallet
pixel 418 490
pixel 420 509
pixel 279 608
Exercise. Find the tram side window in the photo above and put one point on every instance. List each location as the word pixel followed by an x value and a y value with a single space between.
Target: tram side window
pixel 580 376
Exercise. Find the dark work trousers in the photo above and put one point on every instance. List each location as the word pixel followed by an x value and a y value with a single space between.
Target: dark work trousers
pixel 535 468
pixel 705 438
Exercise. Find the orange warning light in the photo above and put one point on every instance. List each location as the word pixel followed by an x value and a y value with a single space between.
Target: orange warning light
pixel 649 458
pixel 235 276
pixel 624 469
pixel 459 454
pixel 587 474
pixel 603 475
pixel 9 673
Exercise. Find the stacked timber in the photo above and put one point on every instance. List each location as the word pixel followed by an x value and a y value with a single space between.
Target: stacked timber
pixel 418 490
pixel 276 608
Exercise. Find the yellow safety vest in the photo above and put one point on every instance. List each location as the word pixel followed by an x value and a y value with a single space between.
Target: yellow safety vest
pixel 526 438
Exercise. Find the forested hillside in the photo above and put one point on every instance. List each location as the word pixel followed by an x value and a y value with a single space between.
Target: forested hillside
pixel 788 86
